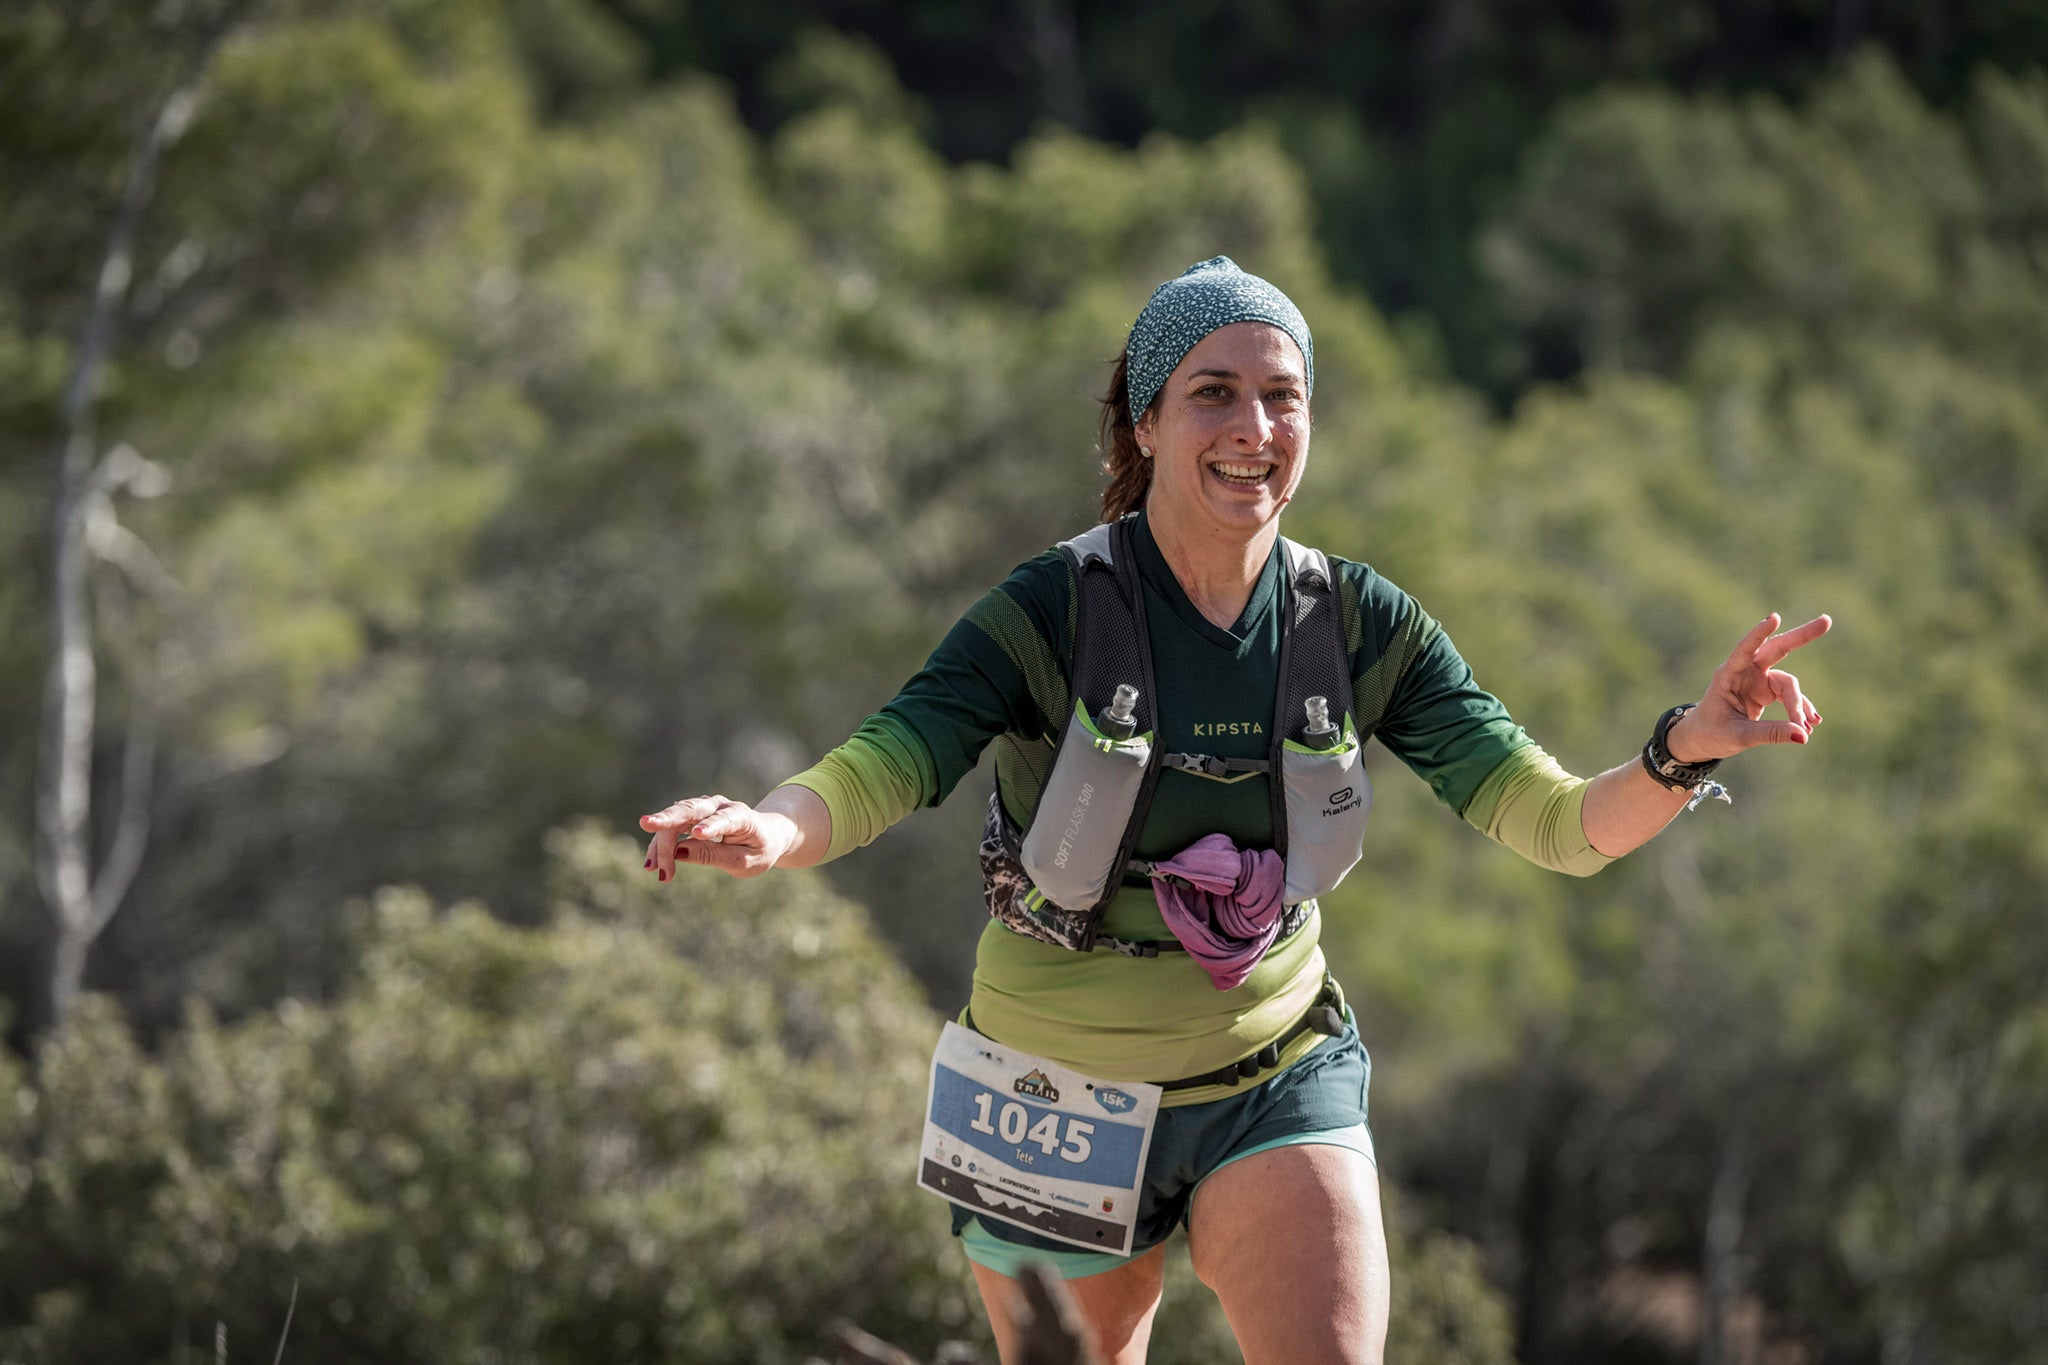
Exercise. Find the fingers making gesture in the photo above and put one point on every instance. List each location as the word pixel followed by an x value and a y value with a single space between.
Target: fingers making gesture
pixel 1729 717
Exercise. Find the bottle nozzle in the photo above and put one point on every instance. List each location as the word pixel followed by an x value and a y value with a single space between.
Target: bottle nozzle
pixel 1321 733
pixel 1120 721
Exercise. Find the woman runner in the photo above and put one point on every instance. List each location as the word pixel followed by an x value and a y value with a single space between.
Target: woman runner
pixel 1199 964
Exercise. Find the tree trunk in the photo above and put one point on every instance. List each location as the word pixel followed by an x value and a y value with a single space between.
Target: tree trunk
pixel 80 903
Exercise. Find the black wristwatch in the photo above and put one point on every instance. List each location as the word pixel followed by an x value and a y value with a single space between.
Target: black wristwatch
pixel 1657 759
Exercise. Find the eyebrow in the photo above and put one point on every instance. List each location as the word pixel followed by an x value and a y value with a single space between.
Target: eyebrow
pixel 1277 377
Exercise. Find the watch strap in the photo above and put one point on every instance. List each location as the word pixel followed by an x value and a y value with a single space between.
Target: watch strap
pixel 1658 762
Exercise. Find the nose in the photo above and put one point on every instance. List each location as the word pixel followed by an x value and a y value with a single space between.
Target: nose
pixel 1252 429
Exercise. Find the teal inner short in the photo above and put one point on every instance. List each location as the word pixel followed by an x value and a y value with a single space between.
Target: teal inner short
pixel 1319 1101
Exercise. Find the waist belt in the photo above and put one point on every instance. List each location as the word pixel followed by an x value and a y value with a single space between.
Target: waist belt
pixel 1325 1016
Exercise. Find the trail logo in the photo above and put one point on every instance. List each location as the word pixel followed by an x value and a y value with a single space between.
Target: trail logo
pixel 1038 1087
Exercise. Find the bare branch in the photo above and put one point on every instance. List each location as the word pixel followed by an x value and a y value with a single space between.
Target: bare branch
pixel 123 469
pixel 289 1309
pixel 126 551
pixel 131 835
pixel 855 1347
pixel 70 688
pixel 117 261
pixel 1049 1327
pixel 1049 1322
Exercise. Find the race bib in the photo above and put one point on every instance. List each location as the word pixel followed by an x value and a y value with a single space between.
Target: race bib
pixel 1035 1144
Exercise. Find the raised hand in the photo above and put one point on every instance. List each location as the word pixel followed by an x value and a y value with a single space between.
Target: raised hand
pixel 714 832
pixel 1729 717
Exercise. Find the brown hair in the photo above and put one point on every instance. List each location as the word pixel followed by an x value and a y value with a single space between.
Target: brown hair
pixel 1130 473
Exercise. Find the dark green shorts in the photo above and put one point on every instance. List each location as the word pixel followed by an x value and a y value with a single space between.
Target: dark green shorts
pixel 1320 1100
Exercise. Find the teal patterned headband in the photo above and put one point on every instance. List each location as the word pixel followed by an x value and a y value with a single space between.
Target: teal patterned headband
pixel 1186 309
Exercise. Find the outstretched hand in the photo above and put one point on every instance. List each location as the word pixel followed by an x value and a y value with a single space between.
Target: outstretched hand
pixel 1729 717
pixel 714 832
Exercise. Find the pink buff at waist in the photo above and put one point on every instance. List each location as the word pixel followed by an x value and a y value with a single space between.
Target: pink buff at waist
pixel 1223 903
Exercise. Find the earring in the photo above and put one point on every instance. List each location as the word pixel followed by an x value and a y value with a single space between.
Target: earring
pixel 1146 451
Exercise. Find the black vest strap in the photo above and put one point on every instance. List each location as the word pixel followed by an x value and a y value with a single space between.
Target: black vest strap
pixel 1313 662
pixel 1113 646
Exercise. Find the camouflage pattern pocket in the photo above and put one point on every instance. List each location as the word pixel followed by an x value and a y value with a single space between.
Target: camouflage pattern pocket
pixel 1012 900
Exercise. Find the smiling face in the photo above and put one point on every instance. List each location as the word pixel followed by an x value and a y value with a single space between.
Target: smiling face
pixel 1228 434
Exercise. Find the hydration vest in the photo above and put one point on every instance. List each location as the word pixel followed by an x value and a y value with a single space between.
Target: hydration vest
pixel 1053 880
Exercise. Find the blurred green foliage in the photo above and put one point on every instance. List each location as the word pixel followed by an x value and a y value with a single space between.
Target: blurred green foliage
pixel 670 1125
pixel 545 443
pixel 663 1127
pixel 1409 117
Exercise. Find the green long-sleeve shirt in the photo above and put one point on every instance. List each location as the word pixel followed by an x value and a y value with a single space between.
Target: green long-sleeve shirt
pixel 1001 675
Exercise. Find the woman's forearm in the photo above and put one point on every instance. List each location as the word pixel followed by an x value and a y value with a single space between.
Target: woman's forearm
pixel 807 822
pixel 1626 807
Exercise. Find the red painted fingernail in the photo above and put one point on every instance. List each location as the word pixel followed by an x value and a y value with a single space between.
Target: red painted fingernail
pixel 682 854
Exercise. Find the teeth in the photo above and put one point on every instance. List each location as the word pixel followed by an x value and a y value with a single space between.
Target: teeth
pixel 1244 471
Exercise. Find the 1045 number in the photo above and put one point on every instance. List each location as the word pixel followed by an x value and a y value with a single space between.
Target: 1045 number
pixel 1013 1125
